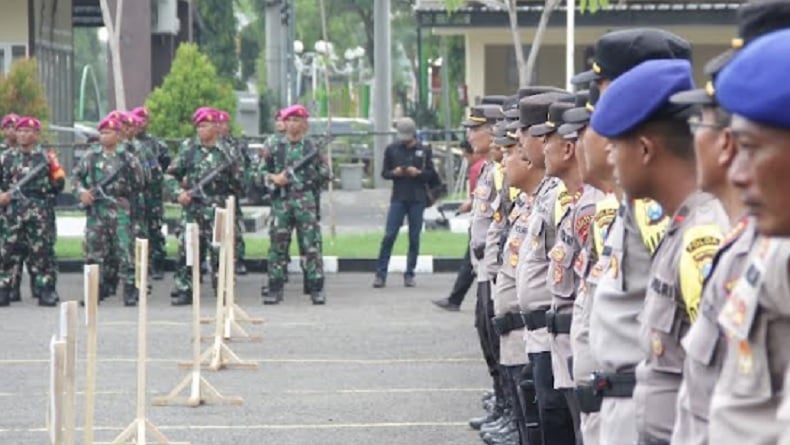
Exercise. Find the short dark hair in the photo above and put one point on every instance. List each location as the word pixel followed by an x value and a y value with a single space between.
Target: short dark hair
pixel 674 134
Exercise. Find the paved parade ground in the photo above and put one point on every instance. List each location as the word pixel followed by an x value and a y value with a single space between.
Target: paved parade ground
pixel 370 367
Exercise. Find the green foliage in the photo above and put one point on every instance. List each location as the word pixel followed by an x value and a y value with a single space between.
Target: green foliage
pixel 592 5
pixel 218 35
pixel 452 5
pixel 252 37
pixel 22 93
pixel 192 83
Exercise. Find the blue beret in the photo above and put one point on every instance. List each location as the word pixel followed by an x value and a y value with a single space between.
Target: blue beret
pixel 754 85
pixel 640 94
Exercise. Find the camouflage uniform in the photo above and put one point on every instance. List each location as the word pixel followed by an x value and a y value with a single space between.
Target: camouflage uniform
pixel 294 206
pixel 193 162
pixel 239 150
pixel 28 236
pixel 109 232
pixel 158 161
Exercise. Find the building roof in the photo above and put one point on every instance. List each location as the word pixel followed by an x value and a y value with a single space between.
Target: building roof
pixel 492 13
pixel 632 5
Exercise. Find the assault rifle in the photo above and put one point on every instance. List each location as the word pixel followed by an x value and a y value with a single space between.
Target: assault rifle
pixel 97 191
pixel 299 164
pixel 197 192
pixel 16 188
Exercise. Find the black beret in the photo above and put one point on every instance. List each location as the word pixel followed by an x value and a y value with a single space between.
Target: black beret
pixel 619 51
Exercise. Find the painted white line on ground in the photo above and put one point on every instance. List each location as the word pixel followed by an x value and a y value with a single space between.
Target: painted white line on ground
pixel 286 392
pixel 297 426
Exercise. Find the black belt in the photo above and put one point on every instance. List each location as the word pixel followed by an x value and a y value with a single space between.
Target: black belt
pixel 558 323
pixel 535 320
pixel 507 323
pixel 614 384
pixel 589 399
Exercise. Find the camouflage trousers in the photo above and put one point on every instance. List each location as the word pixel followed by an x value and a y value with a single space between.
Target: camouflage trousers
pixel 109 242
pixel 300 213
pixel 240 248
pixel 28 237
pixel 156 241
pixel 204 217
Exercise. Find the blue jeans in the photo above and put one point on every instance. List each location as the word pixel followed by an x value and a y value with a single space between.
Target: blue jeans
pixel 397 211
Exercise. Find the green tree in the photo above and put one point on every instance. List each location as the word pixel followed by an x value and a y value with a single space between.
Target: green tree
pixel 218 35
pixel 192 83
pixel 22 93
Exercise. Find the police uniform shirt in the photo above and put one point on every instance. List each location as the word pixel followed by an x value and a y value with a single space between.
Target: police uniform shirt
pixel 756 319
pixel 606 205
pixel 512 346
pixel 534 261
pixel 562 280
pixel 483 207
pixel 680 265
pixel 705 344
pixel 620 278
pixel 498 228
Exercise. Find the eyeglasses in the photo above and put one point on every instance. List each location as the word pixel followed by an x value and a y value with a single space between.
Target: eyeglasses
pixel 695 123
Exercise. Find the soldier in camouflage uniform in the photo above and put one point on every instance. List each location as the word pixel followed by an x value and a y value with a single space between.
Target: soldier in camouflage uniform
pixel 197 159
pixel 159 160
pixel 294 204
pixel 9 133
pixel 239 151
pixel 111 208
pixel 27 212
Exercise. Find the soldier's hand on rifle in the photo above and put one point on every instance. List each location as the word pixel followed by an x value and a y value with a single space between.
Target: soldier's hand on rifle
pixel 412 171
pixel 280 179
pixel 5 198
pixel 184 198
pixel 86 197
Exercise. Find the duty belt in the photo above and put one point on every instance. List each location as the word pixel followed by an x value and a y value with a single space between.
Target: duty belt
pixel 558 323
pixel 614 384
pixel 507 323
pixel 589 399
pixel 534 320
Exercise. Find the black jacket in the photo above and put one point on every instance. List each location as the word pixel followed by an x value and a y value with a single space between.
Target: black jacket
pixel 407 188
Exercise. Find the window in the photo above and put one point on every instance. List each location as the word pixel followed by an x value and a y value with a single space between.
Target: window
pixel 9 53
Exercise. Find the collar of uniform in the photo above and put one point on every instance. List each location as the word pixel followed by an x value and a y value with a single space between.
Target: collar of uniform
pixel 691 202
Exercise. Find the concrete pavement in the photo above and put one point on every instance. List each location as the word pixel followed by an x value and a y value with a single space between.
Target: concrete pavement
pixel 372 366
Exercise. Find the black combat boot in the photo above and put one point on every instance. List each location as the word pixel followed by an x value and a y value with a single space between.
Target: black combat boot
pixel 157 271
pixel 48 297
pixel 112 287
pixel 275 293
pixel 130 295
pixel 305 283
pixel 492 416
pixel 317 292
pixel 182 298
pixel 5 296
pixel 15 294
pixel 241 267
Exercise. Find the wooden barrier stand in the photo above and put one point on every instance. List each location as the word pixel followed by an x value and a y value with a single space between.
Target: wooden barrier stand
pixel 91 285
pixel 219 355
pixel 136 431
pixel 200 390
pixel 225 239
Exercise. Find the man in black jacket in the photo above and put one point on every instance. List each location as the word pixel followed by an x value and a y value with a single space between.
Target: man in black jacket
pixel 410 167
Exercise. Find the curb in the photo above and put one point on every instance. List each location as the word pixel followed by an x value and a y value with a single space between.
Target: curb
pixel 426 264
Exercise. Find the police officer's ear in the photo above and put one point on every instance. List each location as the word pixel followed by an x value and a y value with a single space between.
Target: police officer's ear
pixel 568 149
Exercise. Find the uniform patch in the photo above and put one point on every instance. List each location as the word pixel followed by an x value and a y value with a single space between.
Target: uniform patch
pixel 614 267
pixel 654 212
pixel 558 274
pixel 700 244
pixel 557 253
pixel 514 259
pixel 745 358
pixel 657 345
pixel 583 227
